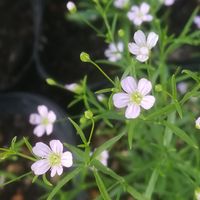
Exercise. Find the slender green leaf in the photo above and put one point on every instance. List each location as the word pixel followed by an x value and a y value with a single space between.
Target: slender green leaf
pixel 44 178
pixel 151 184
pixel 79 131
pixel 62 182
pixel 180 133
pixel 192 75
pixel 107 145
pixel 134 193
pixel 27 143
pixel 101 186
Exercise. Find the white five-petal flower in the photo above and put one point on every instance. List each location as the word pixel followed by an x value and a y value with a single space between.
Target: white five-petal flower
pixel 169 2
pixel 52 158
pixel 134 96
pixel 197 21
pixel 140 14
pixel 197 123
pixel 142 45
pixel 121 3
pixel 114 51
pixel 44 121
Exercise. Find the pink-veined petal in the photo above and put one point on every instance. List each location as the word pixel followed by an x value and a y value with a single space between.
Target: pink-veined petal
pixel 40 167
pixel 121 100
pixel 152 39
pixel 144 8
pixel 132 111
pixel 144 86
pixel 35 119
pixel 39 130
pixel 147 102
pixel 43 111
pixel 67 159
pixel 133 48
pixel 49 129
pixel 129 84
pixel 142 58
pixel 42 150
pixel 56 146
pixel 140 38
pixel 51 116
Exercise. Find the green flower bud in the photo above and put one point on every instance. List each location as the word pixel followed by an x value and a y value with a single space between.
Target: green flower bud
pixel 50 81
pixel 83 120
pixel 85 57
pixel 158 88
pixel 88 114
pixel 121 33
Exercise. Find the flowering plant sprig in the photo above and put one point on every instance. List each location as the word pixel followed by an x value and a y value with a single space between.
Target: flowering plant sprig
pixel 138 133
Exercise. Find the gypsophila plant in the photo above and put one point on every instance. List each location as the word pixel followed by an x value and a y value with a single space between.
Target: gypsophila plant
pixel 139 133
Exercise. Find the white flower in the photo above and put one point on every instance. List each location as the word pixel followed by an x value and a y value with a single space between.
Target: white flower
pixel 71 6
pixel 74 87
pixel 114 51
pixel 182 87
pixel 197 21
pixel 121 3
pixel 197 123
pixel 44 121
pixel 134 96
pixel 169 2
pixel 139 14
pixel 103 157
pixel 52 158
pixel 142 45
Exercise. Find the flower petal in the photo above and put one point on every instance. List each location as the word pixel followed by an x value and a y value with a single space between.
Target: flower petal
pixel 40 167
pixel 51 116
pixel 140 38
pixel 67 159
pixel 121 100
pixel 147 102
pixel 144 86
pixel 129 84
pixel 43 111
pixel 56 146
pixel 42 150
pixel 142 58
pixel 56 169
pixel 34 119
pixel 152 39
pixel 53 171
pixel 39 130
pixel 133 48
pixel 144 8
pixel 148 18
pixel 132 111
pixel 49 129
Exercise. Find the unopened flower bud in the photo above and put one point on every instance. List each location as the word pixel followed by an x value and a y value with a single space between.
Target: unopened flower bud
pixel 158 88
pixel 85 57
pixel 88 114
pixel 71 7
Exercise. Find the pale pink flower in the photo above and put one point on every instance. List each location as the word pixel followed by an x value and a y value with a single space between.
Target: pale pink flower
pixel 121 3
pixel 103 157
pixel 44 120
pixel 134 96
pixel 182 87
pixel 71 6
pixel 197 123
pixel 197 21
pixel 74 87
pixel 169 2
pixel 52 158
pixel 142 45
pixel 114 51
pixel 140 14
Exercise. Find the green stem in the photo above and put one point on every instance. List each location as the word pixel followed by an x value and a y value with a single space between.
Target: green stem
pixel 25 156
pixel 99 68
pixel 91 132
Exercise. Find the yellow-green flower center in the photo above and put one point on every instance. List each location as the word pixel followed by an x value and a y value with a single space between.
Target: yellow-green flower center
pixel 45 121
pixel 136 97
pixel 54 159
